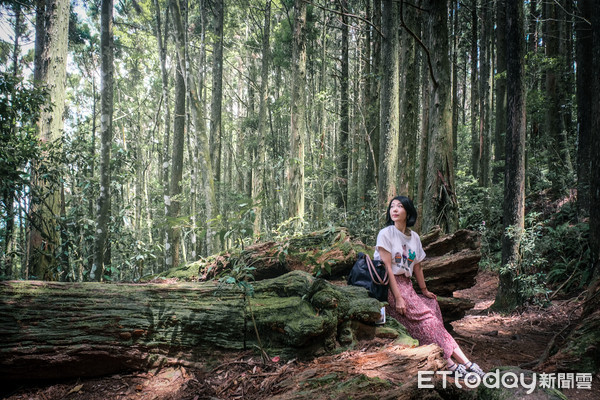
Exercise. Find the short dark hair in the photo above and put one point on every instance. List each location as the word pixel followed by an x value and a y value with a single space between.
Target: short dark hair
pixel 411 211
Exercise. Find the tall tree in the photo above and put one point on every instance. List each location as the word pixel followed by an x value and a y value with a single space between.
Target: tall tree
pixel 101 243
pixel 389 117
pixel 179 123
pixel 439 200
pixel 558 158
pixel 52 25
pixel 595 147
pixel 585 75
pixel 261 152
pixel 409 104
pixel 514 172
pixel 344 148
pixel 485 105
pixel 216 146
pixel 197 119
pixel 475 144
pixel 500 129
pixel 298 116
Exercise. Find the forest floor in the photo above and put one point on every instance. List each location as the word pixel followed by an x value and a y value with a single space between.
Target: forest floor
pixel 491 339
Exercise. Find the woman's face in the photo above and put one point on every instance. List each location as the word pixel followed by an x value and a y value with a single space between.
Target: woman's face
pixel 397 211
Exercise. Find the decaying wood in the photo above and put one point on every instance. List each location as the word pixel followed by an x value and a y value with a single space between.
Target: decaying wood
pixel 58 330
pixel 327 253
pixel 452 262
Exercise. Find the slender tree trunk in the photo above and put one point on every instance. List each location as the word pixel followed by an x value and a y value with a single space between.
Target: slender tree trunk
pixel 585 75
pixel 216 145
pixel 484 97
pixel 409 107
pixel 475 148
pixel 165 154
pixel 344 148
pixel 439 202
pixel 174 246
pixel 455 44
pixel 514 179
pixel 298 114
pixel 500 131
pixel 374 100
pixel 261 152
pixel 52 24
pixel 557 160
pixel 595 146
pixel 101 261
pixel 208 185
pixel 389 117
pixel 424 140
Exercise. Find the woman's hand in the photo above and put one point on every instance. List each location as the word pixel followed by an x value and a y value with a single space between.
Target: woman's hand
pixel 427 293
pixel 400 305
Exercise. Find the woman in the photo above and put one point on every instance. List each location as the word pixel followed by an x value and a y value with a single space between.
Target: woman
pixel 401 251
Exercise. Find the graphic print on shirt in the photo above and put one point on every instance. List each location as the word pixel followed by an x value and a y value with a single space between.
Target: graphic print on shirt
pixel 404 260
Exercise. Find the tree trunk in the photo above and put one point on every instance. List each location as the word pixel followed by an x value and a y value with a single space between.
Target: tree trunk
pixel 514 180
pixel 585 75
pixel 500 77
pixel 409 108
pixel 595 148
pixel 103 328
pixel 298 117
pixel 208 185
pixel 389 116
pixel 52 25
pixel 101 256
pixel 174 226
pixel 439 202
pixel 216 145
pixel 484 97
pixel 558 160
pixel 344 147
pixel 258 194
pixel 475 148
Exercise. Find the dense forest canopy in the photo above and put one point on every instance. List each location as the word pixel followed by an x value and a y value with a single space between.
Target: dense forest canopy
pixel 140 135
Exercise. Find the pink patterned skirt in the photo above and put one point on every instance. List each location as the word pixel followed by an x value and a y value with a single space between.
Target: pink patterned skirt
pixel 422 319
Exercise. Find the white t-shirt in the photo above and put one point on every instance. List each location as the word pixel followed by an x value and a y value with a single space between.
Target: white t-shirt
pixel 406 250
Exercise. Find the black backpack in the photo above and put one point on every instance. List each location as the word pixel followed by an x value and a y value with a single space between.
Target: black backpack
pixel 371 275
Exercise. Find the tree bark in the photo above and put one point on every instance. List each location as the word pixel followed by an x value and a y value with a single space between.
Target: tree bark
pixel 298 115
pixel 514 180
pixel 452 262
pixel 344 144
pixel 500 131
pixel 208 184
pixel 440 206
pixel 216 144
pixel 103 328
pixel 258 194
pixel 101 255
pixel 51 41
pixel 585 75
pixel 475 148
pixel 389 115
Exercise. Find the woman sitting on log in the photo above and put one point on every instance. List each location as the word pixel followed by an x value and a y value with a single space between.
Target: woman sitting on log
pixel 401 251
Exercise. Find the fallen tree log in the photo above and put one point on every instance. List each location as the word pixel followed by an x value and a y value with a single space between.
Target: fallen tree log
pixel 452 262
pixel 58 330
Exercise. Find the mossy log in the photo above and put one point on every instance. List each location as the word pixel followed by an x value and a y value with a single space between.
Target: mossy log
pixel 325 253
pixel 58 330
pixel 452 262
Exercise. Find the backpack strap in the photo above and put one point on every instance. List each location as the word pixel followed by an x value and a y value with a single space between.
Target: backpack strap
pixel 373 272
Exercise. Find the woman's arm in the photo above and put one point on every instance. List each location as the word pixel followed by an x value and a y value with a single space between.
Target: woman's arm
pixel 418 271
pixel 386 258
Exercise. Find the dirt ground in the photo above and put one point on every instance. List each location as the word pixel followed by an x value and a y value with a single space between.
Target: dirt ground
pixel 490 339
